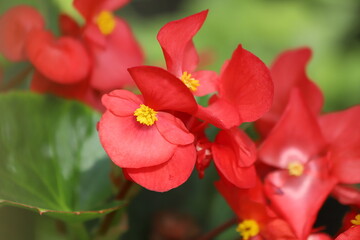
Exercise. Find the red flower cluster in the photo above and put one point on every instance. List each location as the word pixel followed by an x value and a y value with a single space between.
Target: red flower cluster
pixel 303 157
pixel 85 61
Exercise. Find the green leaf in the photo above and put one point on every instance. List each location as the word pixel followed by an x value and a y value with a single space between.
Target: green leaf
pixel 51 159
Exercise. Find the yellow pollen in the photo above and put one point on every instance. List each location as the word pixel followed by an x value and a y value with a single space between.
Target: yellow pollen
pixel 106 22
pixel 296 169
pixel 248 228
pixel 190 82
pixel 145 115
pixel 356 221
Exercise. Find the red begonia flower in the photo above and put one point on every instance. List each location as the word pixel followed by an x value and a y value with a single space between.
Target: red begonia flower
pixel 111 43
pixel 245 82
pixel 299 198
pixel 63 60
pixel 251 208
pixel 288 72
pixel 120 51
pixel 296 138
pixel 181 57
pixel 352 233
pixel 342 132
pixel 91 8
pixel 234 155
pixel 15 25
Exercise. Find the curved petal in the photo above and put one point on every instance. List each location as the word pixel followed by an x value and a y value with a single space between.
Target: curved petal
pixel 300 196
pixel 130 144
pixel 90 8
pixel 319 236
pixel 173 129
pixel 219 113
pixel 15 25
pixel 352 233
pixel 120 51
pixel 207 81
pixel 168 175
pixel 68 26
pixel 347 195
pixel 246 83
pixel 62 60
pixel 295 138
pixel 233 155
pixel 162 90
pixel 121 103
pixel 175 39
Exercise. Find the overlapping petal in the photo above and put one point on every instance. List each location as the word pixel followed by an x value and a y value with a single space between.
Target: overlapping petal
pixel 296 137
pixel 162 90
pixel 130 144
pixel 62 60
pixel 352 233
pixel 300 196
pixel 246 83
pixel 121 102
pixel 90 8
pixel 15 26
pixel 168 175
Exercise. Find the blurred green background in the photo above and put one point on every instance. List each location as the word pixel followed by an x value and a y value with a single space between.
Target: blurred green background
pixel 266 28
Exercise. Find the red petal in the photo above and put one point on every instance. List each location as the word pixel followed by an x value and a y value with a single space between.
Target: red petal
pixel 244 202
pixel 175 39
pixel 173 129
pixel 296 137
pixel 246 83
pixel 120 52
pixel 121 103
pixel 62 60
pixel 352 233
pixel 90 8
pixel 68 26
pixel 15 26
pixel 162 90
pixel 319 236
pixel 131 144
pixel 207 80
pixel 287 72
pixel 340 130
pixel 298 199
pixel 347 195
pixel 168 175
pixel 234 154
pixel 219 113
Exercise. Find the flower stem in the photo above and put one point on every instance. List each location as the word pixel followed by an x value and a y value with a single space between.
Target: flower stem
pixel 16 80
pixel 213 233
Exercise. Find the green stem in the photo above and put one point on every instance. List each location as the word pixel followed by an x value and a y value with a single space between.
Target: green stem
pixel 17 79
pixel 77 231
pixel 213 233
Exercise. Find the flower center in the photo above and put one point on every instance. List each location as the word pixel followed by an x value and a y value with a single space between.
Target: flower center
pixel 248 228
pixel 106 22
pixel 190 82
pixel 145 115
pixel 296 169
pixel 356 221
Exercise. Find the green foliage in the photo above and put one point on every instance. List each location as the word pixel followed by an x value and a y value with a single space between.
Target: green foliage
pixel 51 158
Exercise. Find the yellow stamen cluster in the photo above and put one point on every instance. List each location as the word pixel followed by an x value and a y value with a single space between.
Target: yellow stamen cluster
pixel 145 115
pixel 106 22
pixel 296 169
pixel 356 221
pixel 190 82
pixel 248 228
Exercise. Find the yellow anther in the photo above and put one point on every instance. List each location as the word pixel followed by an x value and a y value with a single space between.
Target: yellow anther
pixel 190 82
pixel 296 169
pixel 248 228
pixel 145 115
pixel 106 22
pixel 356 220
